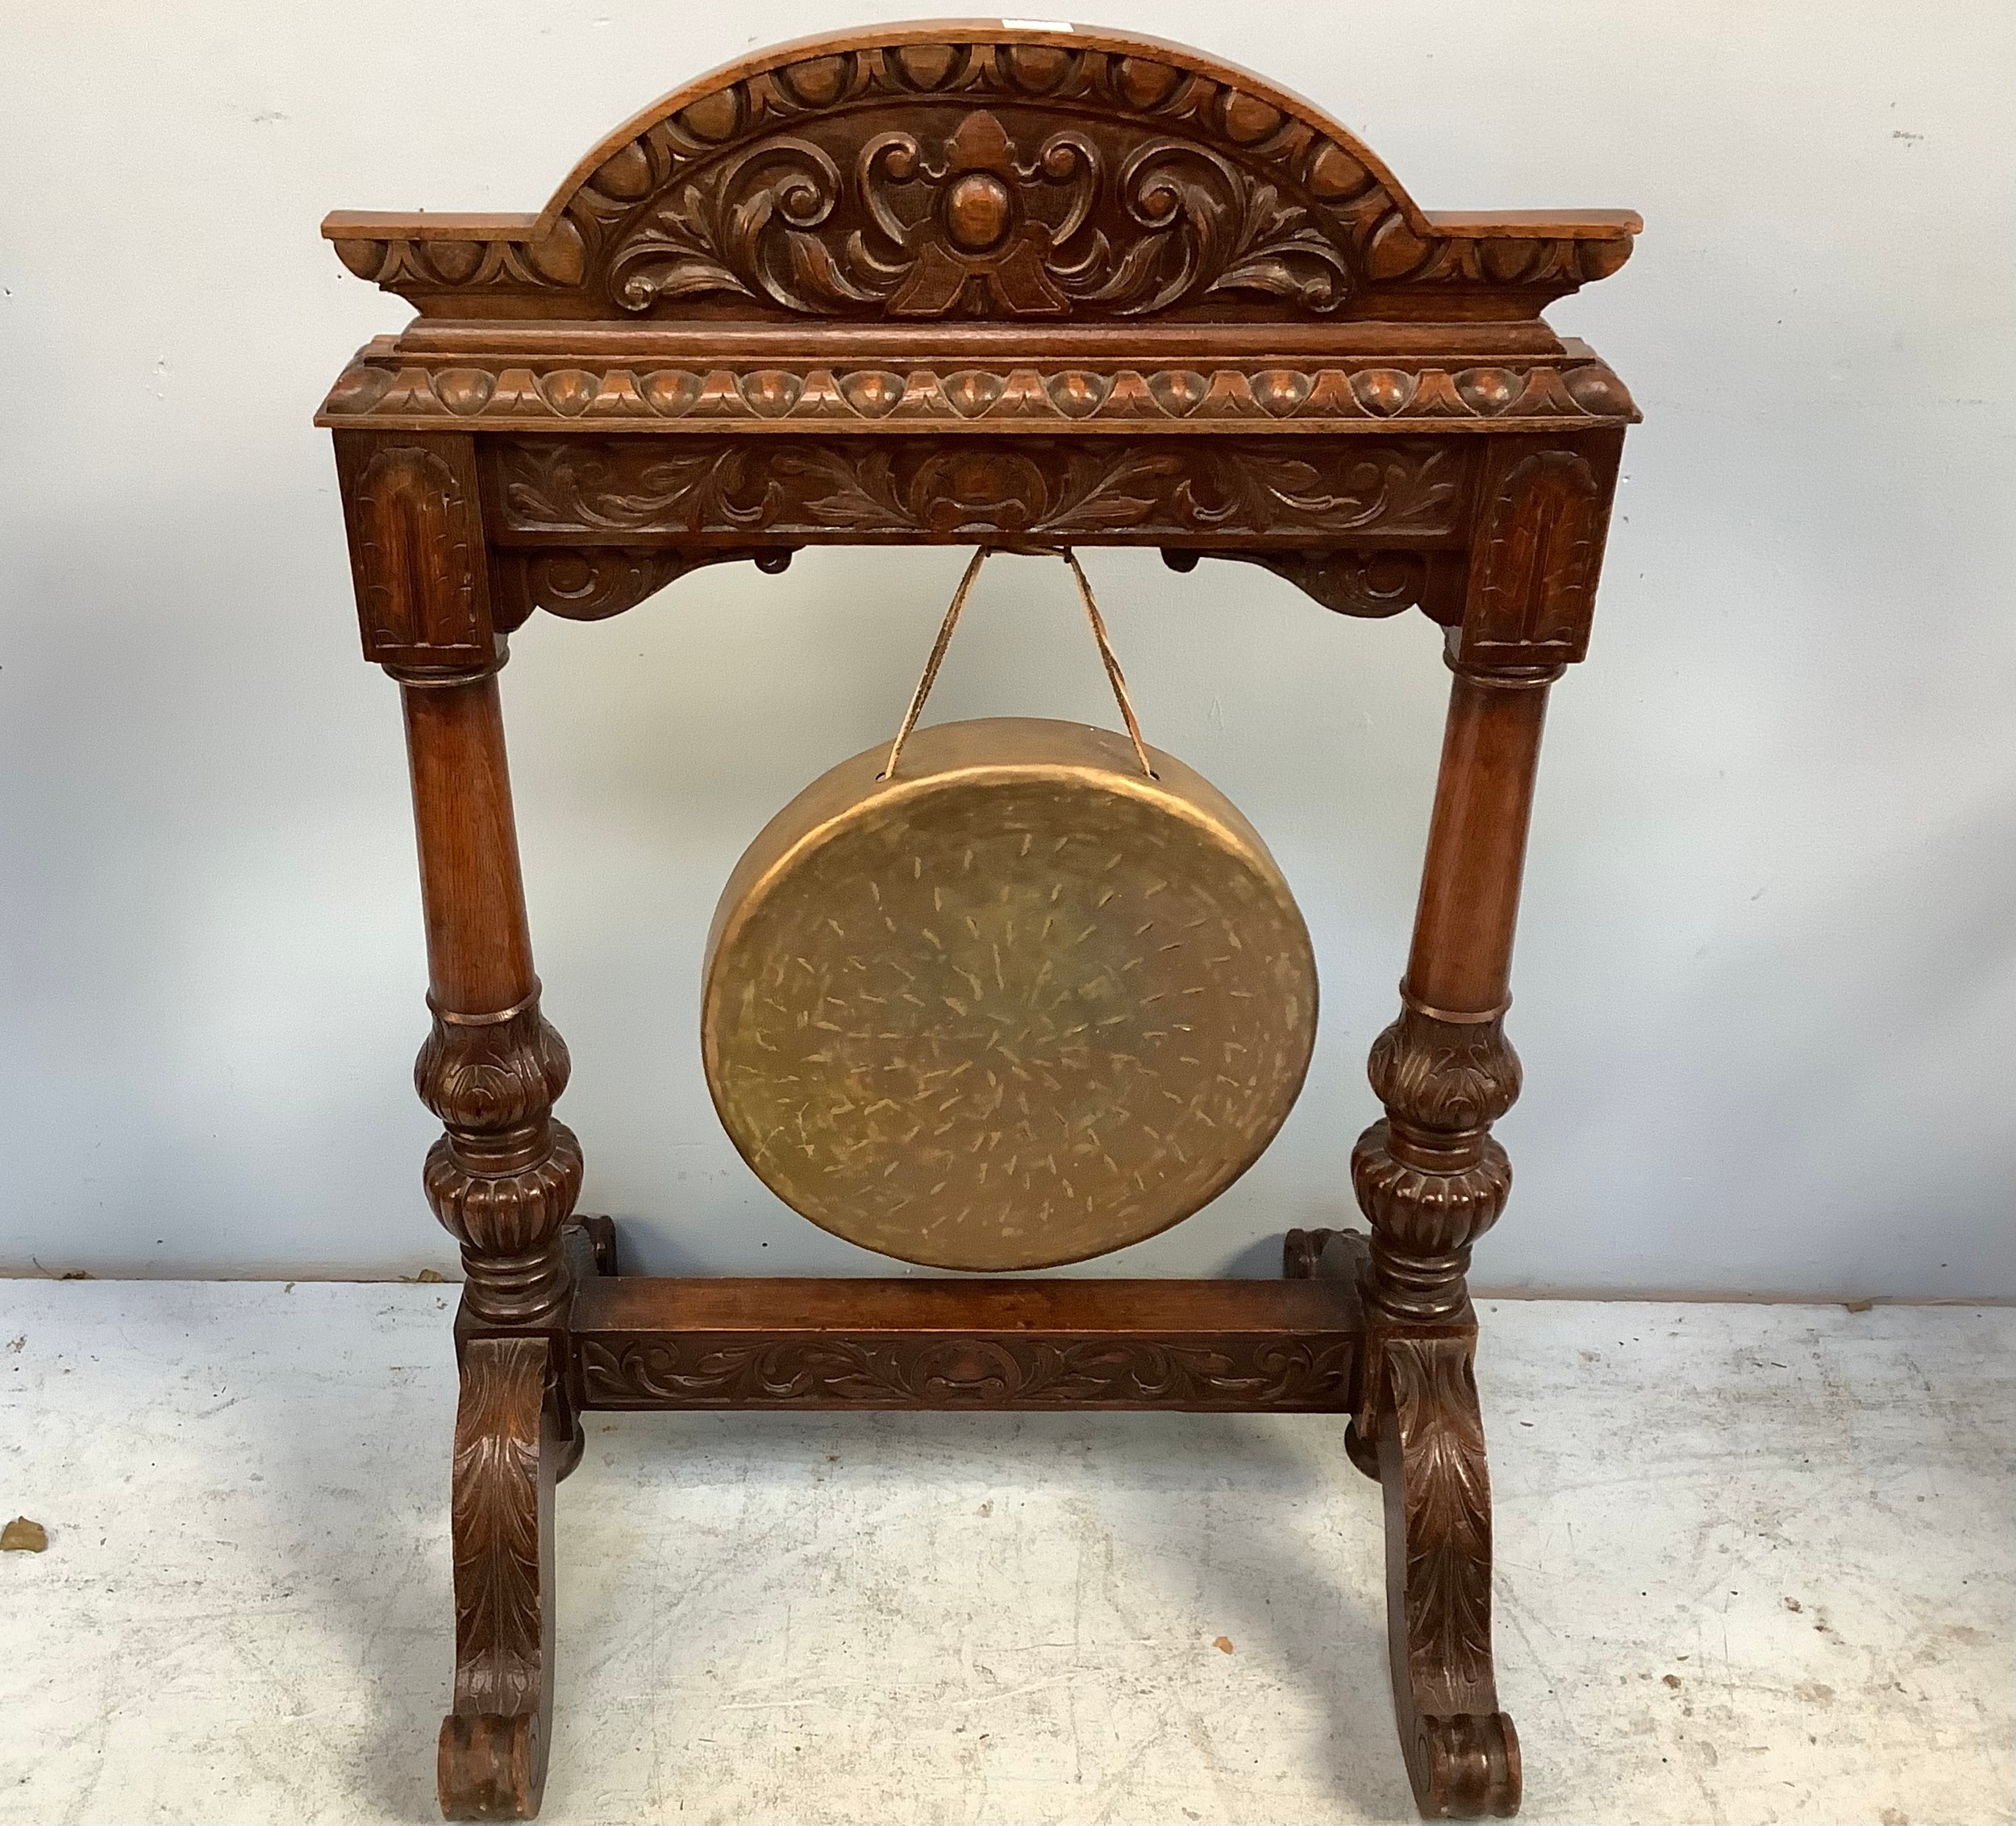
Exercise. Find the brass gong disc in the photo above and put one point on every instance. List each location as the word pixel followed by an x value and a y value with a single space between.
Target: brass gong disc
pixel 1018 1005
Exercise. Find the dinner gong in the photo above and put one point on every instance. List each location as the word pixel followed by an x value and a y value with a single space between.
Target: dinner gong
pixel 1005 993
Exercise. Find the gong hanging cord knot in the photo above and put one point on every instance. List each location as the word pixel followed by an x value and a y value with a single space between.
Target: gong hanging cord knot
pixel 1113 675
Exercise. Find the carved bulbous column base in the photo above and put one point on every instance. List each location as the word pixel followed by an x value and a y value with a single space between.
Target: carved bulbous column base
pixel 1429 1177
pixel 507 1213
pixel 1424 1219
pixel 503 1179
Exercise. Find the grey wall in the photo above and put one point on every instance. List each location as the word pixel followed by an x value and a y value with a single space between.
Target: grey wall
pixel 1766 985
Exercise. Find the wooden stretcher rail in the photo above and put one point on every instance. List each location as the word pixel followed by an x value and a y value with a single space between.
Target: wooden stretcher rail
pixel 1236 1347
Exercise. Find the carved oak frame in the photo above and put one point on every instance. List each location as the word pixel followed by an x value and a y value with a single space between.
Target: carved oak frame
pixel 975 283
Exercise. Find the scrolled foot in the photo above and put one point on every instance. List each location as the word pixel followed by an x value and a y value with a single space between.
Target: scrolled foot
pixel 1465 1766
pixel 1462 1753
pixel 491 1766
pixel 508 1446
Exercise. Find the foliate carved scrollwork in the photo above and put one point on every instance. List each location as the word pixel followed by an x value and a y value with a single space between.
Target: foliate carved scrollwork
pixel 998 176
pixel 1033 487
pixel 496 1514
pixel 1462 1751
pixel 998 1371
pixel 969 221
pixel 590 583
pixel 1373 583
pixel 493 1744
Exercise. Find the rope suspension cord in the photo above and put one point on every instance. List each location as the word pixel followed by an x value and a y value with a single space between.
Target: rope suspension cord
pixel 1113 675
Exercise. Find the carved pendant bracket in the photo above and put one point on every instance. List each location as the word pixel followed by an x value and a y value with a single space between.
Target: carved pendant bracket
pixel 590 583
pixel 1371 585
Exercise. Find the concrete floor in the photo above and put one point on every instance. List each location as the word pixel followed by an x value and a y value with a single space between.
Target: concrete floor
pixel 1756 1564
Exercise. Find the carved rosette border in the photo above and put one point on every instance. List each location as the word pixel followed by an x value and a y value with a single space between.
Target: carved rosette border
pixel 983 1371
pixel 388 392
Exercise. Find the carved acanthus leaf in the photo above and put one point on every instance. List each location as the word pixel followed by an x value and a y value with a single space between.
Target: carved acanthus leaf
pixel 498 1580
pixel 1447 1494
pixel 1443 1074
pixel 488 1075
pixel 989 175
pixel 996 1370
pixel 1147 490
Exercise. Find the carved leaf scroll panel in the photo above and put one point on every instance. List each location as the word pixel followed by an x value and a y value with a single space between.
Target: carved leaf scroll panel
pixel 947 174
pixel 978 1370
pixel 967 215
pixel 1145 491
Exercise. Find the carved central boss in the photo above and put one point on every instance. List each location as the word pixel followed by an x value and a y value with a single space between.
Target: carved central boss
pixel 974 223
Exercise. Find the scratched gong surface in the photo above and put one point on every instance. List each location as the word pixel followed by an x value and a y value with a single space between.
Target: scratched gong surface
pixel 1018 1006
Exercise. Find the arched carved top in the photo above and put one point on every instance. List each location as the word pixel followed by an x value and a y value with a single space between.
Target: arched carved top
pixel 973 170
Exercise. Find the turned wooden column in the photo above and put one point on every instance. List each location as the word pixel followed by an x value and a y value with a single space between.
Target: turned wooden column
pixel 1430 1176
pixel 504 1176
